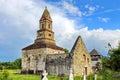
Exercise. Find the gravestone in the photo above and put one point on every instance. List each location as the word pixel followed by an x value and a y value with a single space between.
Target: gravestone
pixel 95 74
pixel 71 75
pixel 95 78
pixel 44 74
pixel 84 74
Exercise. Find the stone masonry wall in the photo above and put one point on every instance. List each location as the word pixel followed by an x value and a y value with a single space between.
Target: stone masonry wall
pixel 35 59
pixel 58 64
pixel 81 58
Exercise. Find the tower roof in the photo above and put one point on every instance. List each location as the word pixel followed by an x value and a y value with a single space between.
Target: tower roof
pixel 94 52
pixel 42 45
pixel 46 14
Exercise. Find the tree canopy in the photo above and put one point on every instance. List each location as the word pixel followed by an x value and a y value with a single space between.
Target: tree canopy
pixel 16 64
pixel 115 59
pixel 112 61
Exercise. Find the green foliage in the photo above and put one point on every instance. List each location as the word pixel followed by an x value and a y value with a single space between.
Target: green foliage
pixel 106 75
pixel 90 77
pixel 11 65
pixel 111 65
pixel 115 59
pixel 105 62
pixel 17 63
pixel 4 75
pixel 11 75
pixel 66 50
pixel 78 78
pixel 99 66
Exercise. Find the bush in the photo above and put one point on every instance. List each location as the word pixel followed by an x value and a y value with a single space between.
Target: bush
pixel 4 75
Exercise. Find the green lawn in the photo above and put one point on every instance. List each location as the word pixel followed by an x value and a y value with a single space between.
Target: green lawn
pixel 14 75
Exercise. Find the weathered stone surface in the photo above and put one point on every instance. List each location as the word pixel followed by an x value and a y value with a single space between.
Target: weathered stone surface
pixel 58 64
pixel 35 59
pixel 34 56
pixel 81 58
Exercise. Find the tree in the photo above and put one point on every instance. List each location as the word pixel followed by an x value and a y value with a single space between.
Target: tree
pixel 66 50
pixel 17 63
pixel 105 62
pixel 115 59
pixel 11 65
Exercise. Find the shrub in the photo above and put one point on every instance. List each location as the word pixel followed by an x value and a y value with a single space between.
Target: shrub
pixel 4 75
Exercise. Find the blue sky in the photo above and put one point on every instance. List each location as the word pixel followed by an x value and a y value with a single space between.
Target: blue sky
pixel 97 21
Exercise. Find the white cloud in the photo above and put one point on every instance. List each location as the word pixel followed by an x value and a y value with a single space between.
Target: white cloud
pixel 91 9
pixel 22 15
pixel 104 19
pixel 71 8
pixel 25 14
pixel 97 38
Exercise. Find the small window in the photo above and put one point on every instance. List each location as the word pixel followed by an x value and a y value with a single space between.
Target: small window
pixel 94 59
pixel 84 57
pixel 42 26
pixel 49 26
pixel 40 34
pixel 49 34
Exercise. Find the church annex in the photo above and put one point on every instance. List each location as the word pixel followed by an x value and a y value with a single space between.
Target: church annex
pixel 44 54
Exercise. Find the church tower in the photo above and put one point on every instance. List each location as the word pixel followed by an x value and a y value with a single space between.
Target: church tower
pixel 34 55
pixel 45 33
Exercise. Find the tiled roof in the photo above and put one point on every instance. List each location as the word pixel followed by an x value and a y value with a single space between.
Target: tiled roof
pixel 94 52
pixel 42 45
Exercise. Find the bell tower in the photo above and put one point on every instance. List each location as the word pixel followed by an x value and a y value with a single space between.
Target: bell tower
pixel 45 33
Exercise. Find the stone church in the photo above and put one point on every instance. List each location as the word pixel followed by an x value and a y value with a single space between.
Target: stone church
pixel 44 54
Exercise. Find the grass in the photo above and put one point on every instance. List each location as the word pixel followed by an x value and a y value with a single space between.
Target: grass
pixel 14 75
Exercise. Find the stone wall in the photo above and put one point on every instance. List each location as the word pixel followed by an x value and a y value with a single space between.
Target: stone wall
pixel 81 58
pixel 35 59
pixel 58 64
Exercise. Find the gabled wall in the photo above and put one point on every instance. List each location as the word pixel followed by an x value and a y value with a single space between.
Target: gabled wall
pixel 81 58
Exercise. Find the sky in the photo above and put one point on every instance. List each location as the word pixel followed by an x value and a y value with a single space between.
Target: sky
pixel 96 21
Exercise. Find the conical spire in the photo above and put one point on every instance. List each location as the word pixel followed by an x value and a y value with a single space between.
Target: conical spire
pixel 46 14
